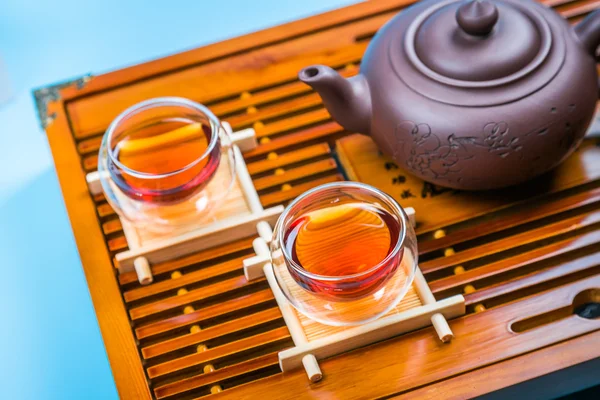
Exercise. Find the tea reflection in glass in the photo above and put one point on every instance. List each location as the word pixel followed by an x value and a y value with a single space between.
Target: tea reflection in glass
pixel 353 241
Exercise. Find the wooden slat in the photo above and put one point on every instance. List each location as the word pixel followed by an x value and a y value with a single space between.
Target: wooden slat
pixel 293 122
pixel 527 237
pixel 199 257
pixel 296 139
pixel 530 366
pixel 278 109
pixel 112 226
pixel 105 210
pixel 98 198
pixel 555 272
pixel 445 285
pixel 217 353
pixel 294 174
pixel 236 304
pixel 272 94
pixel 292 157
pixel 185 280
pixel 91 145
pixel 117 244
pixel 190 297
pixel 529 212
pixel 280 197
pixel 249 321
pixel 555 3
pixel 578 8
pixel 90 163
pixel 198 381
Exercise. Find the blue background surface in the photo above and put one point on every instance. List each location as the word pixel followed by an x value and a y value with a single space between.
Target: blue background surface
pixel 50 344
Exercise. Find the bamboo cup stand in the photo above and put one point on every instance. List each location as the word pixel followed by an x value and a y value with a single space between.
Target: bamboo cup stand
pixel 239 217
pixel 314 341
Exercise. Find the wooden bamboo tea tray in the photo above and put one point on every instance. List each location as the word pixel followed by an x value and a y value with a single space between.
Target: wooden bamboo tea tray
pixel 526 260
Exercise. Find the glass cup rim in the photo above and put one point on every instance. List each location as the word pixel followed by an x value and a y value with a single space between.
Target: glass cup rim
pixel 380 195
pixel 160 102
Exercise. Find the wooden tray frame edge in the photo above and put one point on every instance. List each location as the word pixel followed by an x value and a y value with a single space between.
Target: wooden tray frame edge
pixel 112 318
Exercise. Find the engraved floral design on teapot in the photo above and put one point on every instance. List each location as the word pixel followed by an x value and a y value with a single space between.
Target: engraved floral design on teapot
pixel 433 157
pixel 498 141
pixel 427 154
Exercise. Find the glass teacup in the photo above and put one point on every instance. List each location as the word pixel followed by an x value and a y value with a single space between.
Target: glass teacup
pixel 344 253
pixel 158 162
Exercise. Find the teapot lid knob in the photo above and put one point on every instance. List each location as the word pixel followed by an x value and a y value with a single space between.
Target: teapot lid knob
pixel 477 17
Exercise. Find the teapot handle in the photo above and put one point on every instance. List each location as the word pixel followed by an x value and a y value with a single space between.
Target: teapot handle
pixel 588 32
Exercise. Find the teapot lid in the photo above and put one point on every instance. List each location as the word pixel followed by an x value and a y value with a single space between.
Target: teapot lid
pixel 480 51
pixel 480 40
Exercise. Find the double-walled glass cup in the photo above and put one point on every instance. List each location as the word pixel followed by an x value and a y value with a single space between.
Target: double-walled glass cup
pixel 166 163
pixel 344 253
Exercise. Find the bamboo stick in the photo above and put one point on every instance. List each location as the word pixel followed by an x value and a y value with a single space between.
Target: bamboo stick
pixel 311 366
pixel 439 322
pixel 143 271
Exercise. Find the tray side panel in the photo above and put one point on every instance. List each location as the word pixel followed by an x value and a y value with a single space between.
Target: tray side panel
pixel 99 271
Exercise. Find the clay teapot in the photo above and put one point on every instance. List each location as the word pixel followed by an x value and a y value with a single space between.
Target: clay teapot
pixel 473 95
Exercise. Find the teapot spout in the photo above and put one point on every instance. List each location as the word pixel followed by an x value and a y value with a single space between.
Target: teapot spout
pixel 347 100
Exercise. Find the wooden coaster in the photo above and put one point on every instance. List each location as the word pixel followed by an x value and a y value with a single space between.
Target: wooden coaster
pixel 240 215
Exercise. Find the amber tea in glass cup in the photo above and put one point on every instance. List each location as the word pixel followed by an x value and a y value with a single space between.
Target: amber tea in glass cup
pixel 161 164
pixel 352 244
pixel 341 249
pixel 163 150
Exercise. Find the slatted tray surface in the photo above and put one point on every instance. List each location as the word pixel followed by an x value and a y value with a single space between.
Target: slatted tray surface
pixel 200 328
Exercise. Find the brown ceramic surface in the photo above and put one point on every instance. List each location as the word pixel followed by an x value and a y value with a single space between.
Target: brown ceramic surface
pixel 471 94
